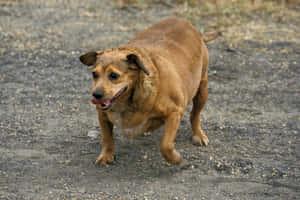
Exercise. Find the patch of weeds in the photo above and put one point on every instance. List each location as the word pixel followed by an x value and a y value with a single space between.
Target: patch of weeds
pixel 189 2
pixel 140 4
pixel 229 13
pixel 241 20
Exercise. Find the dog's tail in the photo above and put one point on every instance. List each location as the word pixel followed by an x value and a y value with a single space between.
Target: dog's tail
pixel 207 37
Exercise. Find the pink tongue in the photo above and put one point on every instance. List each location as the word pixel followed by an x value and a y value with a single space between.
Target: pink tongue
pixel 102 102
pixel 95 101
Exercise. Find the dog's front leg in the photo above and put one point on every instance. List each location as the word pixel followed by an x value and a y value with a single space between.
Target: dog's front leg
pixel 107 153
pixel 167 143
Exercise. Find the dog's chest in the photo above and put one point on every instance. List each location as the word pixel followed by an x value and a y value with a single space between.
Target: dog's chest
pixel 127 124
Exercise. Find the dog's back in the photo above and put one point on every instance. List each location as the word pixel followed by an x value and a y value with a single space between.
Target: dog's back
pixel 171 35
pixel 176 41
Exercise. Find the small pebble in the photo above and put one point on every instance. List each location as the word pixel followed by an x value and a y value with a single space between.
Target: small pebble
pixel 82 190
pixel 93 134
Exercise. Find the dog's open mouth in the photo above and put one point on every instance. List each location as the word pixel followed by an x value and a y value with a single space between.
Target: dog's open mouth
pixel 105 104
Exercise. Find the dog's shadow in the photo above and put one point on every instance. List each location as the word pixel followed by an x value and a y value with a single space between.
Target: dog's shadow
pixel 140 157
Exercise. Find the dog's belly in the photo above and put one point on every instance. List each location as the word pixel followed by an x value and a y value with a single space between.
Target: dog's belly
pixel 131 128
pixel 135 131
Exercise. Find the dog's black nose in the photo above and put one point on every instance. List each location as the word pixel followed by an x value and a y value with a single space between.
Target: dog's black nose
pixel 98 94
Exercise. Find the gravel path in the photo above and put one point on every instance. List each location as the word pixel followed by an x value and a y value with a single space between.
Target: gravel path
pixel 252 117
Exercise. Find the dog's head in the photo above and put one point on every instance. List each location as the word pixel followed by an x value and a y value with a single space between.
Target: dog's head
pixel 114 75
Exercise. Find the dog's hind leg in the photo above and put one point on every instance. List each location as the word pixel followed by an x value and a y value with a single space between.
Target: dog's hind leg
pixel 199 138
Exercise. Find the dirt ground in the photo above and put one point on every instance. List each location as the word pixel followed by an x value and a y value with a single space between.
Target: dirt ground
pixel 252 117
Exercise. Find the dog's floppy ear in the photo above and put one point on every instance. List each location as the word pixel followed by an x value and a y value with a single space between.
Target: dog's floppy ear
pixel 89 58
pixel 134 59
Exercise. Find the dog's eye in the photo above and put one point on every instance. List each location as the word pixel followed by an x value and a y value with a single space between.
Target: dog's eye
pixel 95 75
pixel 113 76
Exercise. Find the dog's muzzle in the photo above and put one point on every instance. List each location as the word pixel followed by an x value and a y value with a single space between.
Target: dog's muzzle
pixel 105 104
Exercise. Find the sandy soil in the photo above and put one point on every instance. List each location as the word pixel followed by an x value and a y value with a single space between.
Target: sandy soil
pixel 252 117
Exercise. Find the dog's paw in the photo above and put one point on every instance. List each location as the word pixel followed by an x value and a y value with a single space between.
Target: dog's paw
pixel 105 159
pixel 172 157
pixel 200 141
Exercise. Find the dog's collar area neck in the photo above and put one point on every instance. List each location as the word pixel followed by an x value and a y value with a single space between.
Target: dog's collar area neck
pixel 131 96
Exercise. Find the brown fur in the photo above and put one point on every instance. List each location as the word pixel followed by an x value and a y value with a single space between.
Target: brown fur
pixel 166 70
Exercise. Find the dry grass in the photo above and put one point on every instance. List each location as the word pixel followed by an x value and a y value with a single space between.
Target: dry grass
pixel 209 3
pixel 237 19
pixel 241 20
pixel 53 3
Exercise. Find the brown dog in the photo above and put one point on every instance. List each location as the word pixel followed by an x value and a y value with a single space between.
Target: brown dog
pixel 149 82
